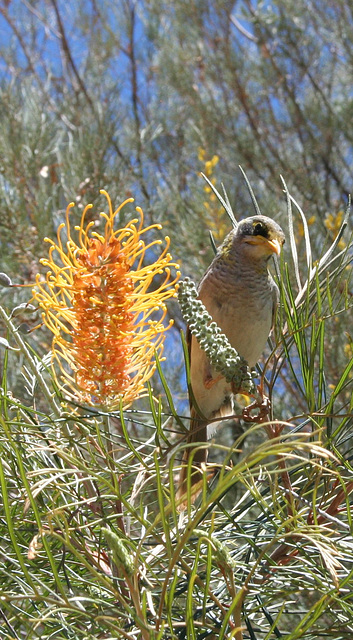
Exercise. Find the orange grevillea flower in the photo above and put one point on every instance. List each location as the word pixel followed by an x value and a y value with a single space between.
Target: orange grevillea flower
pixel 105 306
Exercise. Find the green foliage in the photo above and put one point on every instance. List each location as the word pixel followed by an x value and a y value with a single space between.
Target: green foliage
pixel 138 98
pixel 93 544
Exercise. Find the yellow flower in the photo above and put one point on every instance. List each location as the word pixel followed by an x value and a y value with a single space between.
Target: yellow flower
pixel 215 160
pixel 105 307
pixel 216 217
pixel 333 223
pixel 201 154
pixel 310 222
pixel 348 350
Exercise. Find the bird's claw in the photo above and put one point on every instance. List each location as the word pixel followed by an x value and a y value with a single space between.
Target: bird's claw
pixel 262 405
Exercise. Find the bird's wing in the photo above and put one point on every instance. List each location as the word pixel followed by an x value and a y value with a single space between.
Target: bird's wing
pixel 210 269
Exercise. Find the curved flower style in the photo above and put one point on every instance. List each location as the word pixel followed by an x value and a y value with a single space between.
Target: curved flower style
pixel 105 308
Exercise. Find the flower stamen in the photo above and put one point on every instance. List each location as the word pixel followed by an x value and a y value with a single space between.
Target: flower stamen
pixel 105 307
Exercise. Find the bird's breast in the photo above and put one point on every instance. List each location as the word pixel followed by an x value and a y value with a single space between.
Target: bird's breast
pixel 241 302
pixel 247 327
pixel 244 312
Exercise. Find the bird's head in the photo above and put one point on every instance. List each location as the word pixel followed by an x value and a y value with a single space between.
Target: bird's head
pixel 259 236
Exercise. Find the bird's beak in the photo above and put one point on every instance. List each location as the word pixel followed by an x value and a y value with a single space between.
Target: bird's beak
pixel 274 246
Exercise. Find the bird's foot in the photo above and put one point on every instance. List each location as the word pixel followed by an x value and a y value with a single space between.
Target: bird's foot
pixel 262 405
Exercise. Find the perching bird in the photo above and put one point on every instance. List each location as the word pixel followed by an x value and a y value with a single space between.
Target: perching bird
pixel 241 296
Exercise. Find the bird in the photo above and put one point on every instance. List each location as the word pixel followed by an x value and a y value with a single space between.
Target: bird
pixel 241 296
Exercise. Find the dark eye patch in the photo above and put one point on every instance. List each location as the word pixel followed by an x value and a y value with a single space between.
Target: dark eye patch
pixel 260 230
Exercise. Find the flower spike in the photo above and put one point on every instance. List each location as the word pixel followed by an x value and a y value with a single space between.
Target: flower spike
pixel 105 306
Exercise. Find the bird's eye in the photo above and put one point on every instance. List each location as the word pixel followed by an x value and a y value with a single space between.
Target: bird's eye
pixel 259 230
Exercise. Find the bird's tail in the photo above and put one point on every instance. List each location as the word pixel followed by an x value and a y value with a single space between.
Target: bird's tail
pixel 191 476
